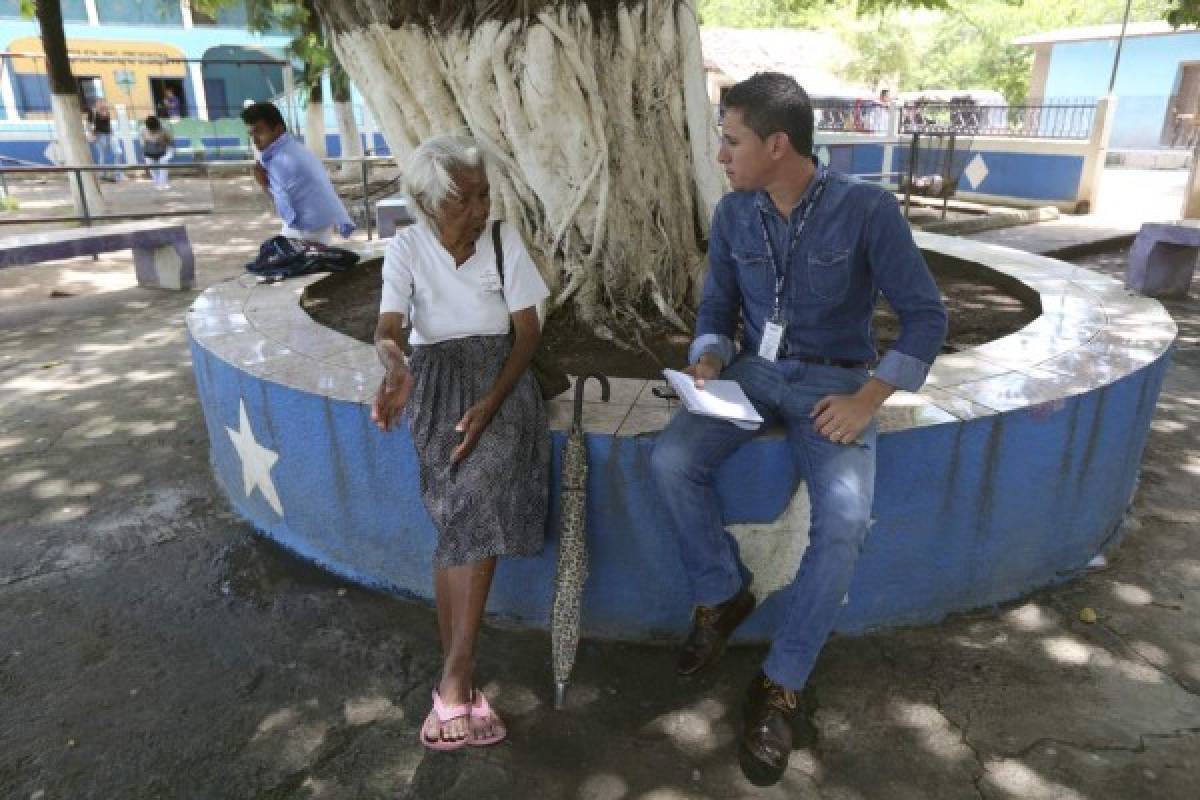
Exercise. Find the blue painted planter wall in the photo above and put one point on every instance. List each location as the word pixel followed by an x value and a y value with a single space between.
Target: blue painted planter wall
pixel 1027 175
pixel 968 514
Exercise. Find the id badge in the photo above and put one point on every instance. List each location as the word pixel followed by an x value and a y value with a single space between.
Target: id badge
pixel 772 336
pixel 489 281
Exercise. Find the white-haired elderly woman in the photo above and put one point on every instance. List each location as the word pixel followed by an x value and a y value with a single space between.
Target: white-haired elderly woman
pixel 477 417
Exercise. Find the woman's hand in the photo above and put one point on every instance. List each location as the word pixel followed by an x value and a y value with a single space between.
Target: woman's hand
pixel 391 398
pixel 472 426
pixel 397 385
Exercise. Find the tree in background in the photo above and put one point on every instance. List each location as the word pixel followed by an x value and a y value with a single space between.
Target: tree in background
pixel 65 102
pixel 343 109
pixel 925 44
pixel 309 46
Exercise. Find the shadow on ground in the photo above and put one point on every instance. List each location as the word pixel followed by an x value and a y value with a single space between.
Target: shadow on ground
pixel 152 646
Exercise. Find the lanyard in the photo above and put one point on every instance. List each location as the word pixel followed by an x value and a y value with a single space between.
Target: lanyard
pixel 781 270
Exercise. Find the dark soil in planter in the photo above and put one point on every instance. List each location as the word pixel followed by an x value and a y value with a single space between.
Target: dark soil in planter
pixel 982 306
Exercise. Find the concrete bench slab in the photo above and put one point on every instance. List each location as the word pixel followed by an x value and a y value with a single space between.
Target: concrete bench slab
pixel 1162 260
pixel 162 253
pixel 1009 471
pixel 392 213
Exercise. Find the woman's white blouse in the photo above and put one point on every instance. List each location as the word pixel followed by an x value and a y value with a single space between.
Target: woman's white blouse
pixel 443 302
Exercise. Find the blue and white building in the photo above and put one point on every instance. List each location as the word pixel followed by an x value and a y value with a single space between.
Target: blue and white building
pixel 143 57
pixel 1157 83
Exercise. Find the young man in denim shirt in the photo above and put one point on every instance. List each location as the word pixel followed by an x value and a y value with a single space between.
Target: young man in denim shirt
pixel 799 254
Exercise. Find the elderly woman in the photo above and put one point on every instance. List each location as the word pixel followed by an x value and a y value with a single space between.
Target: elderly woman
pixel 477 418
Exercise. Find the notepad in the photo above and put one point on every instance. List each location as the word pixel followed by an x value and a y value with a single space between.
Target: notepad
pixel 718 399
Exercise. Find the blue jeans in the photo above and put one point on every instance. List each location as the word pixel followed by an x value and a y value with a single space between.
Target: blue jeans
pixel 841 484
pixel 102 153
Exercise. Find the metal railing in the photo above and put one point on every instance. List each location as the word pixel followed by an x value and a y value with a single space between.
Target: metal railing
pixel 198 188
pixel 860 116
pixel 1065 119
pixel 1050 121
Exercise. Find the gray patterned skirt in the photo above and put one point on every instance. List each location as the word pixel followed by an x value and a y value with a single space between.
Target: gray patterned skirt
pixel 493 502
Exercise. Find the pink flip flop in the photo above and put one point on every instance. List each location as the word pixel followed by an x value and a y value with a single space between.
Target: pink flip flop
pixel 481 711
pixel 444 714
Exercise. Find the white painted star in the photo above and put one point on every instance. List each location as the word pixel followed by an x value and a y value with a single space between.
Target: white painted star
pixel 256 460
pixel 773 550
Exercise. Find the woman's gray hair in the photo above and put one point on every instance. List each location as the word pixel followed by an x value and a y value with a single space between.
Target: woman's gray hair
pixel 429 172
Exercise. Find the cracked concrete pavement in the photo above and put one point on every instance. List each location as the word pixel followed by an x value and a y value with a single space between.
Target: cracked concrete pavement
pixel 152 646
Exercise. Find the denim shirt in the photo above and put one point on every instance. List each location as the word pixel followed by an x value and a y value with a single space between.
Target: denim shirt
pixel 304 195
pixel 855 244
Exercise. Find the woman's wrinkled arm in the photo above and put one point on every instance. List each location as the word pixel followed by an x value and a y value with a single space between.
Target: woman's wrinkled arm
pixel 391 341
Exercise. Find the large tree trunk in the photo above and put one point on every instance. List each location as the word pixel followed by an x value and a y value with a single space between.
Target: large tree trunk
pixel 66 108
pixel 595 113
pixel 343 110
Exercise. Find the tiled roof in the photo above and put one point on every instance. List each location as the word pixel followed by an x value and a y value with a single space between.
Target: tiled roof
pixel 811 57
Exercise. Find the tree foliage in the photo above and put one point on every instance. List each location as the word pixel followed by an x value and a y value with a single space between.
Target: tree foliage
pixel 918 44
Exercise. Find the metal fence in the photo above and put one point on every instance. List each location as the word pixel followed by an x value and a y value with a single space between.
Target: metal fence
pixel 857 116
pixel 1065 119
pixel 1051 121
pixel 42 194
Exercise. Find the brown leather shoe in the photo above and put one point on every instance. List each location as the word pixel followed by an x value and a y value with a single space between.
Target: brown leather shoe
pixel 766 743
pixel 711 627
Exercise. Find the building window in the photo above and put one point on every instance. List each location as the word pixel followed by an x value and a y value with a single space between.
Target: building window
pixel 72 10
pixel 33 93
pixel 230 16
pixel 138 12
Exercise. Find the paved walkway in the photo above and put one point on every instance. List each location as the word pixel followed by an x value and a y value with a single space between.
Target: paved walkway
pixel 151 646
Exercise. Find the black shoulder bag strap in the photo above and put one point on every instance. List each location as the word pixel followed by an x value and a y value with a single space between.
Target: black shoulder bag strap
pixel 499 251
pixel 551 380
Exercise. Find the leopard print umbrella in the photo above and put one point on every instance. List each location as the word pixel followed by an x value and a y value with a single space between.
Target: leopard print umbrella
pixel 572 547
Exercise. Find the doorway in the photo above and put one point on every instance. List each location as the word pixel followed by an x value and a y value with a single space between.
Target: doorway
pixel 170 101
pixel 1181 125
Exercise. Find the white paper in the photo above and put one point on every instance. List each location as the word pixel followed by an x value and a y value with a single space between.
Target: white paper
pixel 719 399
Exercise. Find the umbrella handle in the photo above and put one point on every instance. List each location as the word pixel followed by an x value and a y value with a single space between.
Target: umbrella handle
pixel 579 382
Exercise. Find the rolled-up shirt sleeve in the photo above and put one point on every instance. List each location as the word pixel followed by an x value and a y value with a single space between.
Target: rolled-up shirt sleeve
pixel 720 304
pixel 900 272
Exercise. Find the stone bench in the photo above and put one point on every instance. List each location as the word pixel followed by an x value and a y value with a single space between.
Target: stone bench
pixel 162 254
pixel 392 213
pixel 1010 469
pixel 1163 258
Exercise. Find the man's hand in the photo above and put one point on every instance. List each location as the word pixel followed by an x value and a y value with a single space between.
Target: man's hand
pixel 391 398
pixel 842 418
pixel 708 368
pixel 260 175
pixel 472 426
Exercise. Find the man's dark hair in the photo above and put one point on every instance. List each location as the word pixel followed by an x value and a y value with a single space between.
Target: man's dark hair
pixel 263 112
pixel 772 102
pixel 153 124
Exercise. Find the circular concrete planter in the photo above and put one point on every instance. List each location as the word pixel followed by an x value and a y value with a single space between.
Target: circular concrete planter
pixel 1009 471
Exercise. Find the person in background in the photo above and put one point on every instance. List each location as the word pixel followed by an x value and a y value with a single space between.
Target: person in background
pixel 100 135
pixel 882 111
pixel 477 417
pixel 295 178
pixel 172 105
pixel 158 147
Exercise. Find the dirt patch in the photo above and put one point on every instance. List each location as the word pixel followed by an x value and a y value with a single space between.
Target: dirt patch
pixel 981 306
